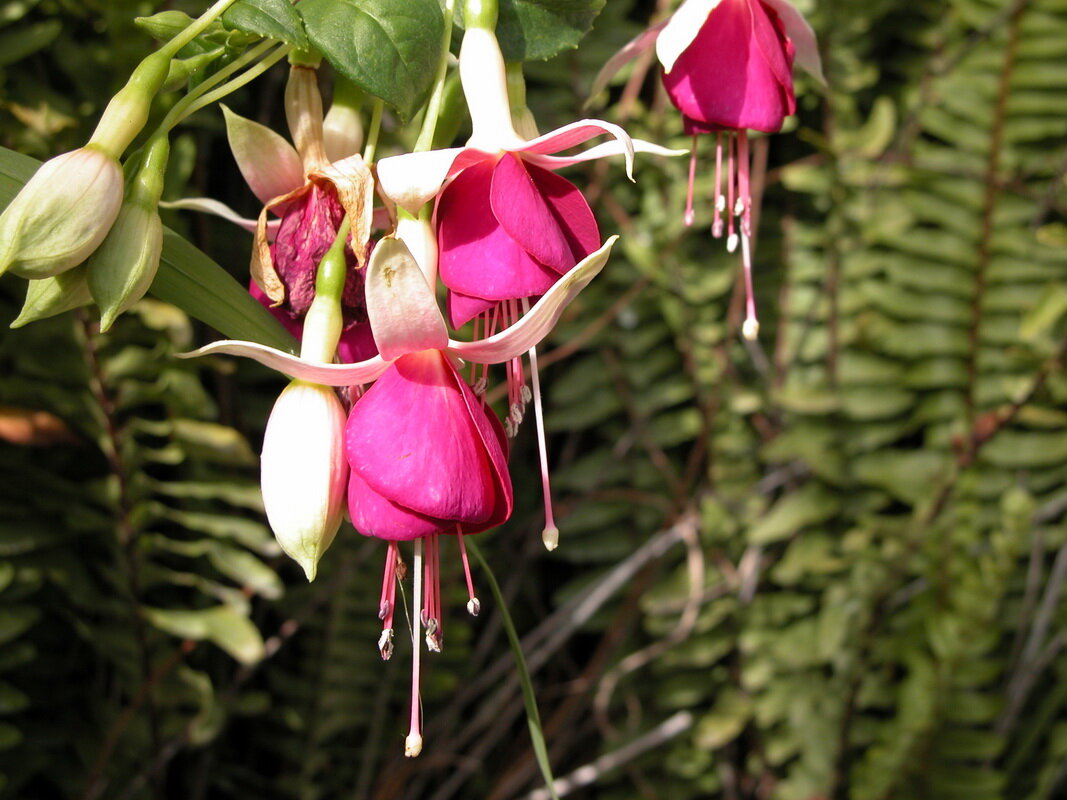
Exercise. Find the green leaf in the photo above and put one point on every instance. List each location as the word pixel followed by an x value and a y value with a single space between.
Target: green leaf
pixel 807 506
pixel 389 48
pixel 15 45
pixel 535 30
pixel 220 625
pixel 274 19
pixel 187 278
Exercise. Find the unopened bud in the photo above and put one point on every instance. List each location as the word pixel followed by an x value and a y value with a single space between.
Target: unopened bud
pixel 125 265
pixel 127 112
pixel 342 130
pixel 61 215
pixel 304 472
pixel 50 296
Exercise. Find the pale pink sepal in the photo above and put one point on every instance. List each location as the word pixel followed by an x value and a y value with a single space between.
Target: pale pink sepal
pixel 206 205
pixel 605 150
pixel 631 50
pixel 412 179
pixel 270 165
pixel 681 29
pixel 802 36
pixel 288 364
pixel 401 306
pixel 536 324
pixel 579 132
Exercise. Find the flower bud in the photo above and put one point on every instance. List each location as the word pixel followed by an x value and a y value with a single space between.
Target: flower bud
pixel 124 266
pixel 48 297
pixel 304 474
pixel 62 214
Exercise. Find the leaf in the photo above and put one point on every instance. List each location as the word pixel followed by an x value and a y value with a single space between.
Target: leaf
pixel 274 19
pixel 807 506
pixel 220 625
pixel 15 45
pixel 536 30
pixel 187 278
pixel 389 48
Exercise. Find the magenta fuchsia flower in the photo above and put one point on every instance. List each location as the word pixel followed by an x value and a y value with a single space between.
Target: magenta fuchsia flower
pixel 728 67
pixel 427 456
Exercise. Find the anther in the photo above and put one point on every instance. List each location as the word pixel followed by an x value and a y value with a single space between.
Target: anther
pixel 385 644
pixel 474 607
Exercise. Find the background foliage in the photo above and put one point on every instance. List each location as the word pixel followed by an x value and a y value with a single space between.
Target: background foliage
pixel 827 566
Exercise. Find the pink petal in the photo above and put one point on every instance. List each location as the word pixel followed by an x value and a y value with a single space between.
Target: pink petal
pixel 523 212
pixel 578 132
pixel 571 211
pixel 373 515
pixel 630 51
pixel 270 165
pixel 413 439
pixel 724 80
pixel 772 43
pixel 803 37
pixel 477 256
pixel 495 442
pixel 535 325
pixel 357 344
pixel 462 308
pixel 682 28
pixel 403 311
pixel 288 364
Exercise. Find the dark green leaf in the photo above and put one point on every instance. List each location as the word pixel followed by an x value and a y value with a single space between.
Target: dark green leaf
pixel 535 30
pixel 390 48
pixel 274 19
pixel 17 44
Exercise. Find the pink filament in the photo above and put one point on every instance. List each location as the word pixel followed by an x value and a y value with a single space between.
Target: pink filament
pixel 692 179
pixel 472 599
pixel 730 185
pixel 716 225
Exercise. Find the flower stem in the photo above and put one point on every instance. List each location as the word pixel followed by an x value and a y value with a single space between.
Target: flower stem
pixel 201 100
pixel 533 717
pixel 196 28
pixel 433 108
pixel 480 14
pixel 370 149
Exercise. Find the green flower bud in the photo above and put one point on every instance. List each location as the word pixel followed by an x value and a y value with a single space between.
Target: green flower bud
pixel 127 113
pixel 124 266
pixel 62 214
pixel 48 297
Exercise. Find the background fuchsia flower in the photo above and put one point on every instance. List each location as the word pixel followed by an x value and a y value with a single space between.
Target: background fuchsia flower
pixel 426 455
pixel 728 67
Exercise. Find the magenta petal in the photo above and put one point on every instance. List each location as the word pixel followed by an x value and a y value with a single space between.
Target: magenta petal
pixel 373 515
pixel 357 344
pixel 545 214
pixel 495 442
pixel 769 37
pixel 462 308
pixel 724 79
pixel 411 437
pixel 519 207
pixel 477 256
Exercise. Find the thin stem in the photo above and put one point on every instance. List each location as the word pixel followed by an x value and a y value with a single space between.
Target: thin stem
pixel 433 108
pixel 371 147
pixel 236 83
pixel 533 717
pixel 200 25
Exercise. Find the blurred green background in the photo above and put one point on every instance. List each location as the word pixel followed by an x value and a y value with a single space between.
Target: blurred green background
pixel 829 566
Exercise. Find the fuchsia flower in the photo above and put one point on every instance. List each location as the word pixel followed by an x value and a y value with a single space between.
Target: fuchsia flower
pixel 427 456
pixel 507 226
pixel 728 67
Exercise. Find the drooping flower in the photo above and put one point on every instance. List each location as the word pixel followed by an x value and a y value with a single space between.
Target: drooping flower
pixel 426 456
pixel 728 67
pixel 507 226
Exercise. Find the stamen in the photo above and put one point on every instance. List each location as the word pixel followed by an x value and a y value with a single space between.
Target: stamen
pixel 550 535
pixel 692 179
pixel 387 605
pixel 474 606
pixel 750 327
pixel 731 238
pixel 438 617
pixel 720 201
pixel 413 742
